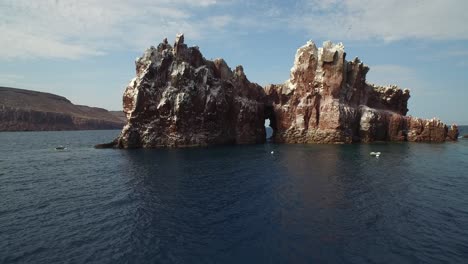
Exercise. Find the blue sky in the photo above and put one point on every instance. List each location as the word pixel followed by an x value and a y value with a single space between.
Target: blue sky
pixel 85 50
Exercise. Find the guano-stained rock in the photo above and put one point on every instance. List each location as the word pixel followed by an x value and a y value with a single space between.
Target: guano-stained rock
pixel 178 99
pixel 327 100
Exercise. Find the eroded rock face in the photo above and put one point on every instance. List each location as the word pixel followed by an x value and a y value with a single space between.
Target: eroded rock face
pixel 178 98
pixel 453 133
pixel 327 100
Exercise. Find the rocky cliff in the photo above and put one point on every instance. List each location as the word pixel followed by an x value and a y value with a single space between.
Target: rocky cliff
pixel 120 115
pixel 24 110
pixel 327 100
pixel 179 98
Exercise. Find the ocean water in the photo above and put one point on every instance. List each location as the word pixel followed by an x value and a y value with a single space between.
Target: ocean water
pixel 230 204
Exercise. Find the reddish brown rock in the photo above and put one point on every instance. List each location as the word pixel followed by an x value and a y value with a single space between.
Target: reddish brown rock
pixel 420 130
pixel 25 110
pixel 327 100
pixel 453 133
pixel 179 99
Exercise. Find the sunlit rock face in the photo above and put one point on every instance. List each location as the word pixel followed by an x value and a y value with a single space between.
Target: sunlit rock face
pixel 327 100
pixel 178 99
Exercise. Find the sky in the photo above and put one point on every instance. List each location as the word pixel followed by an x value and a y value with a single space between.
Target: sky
pixel 85 49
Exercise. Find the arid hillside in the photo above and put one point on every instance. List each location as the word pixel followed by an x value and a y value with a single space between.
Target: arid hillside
pixel 25 110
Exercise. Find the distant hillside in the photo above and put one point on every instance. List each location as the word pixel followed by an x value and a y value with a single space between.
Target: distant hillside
pixel 120 115
pixel 25 110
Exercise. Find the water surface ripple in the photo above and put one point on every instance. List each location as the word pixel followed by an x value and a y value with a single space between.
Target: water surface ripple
pixel 232 204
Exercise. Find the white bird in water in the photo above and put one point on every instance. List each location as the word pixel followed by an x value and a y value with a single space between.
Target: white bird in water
pixel 272 152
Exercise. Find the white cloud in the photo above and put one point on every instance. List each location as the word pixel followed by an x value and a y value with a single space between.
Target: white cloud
pixel 16 44
pixel 75 28
pixel 384 20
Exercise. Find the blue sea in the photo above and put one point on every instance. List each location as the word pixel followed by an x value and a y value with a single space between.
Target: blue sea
pixel 232 204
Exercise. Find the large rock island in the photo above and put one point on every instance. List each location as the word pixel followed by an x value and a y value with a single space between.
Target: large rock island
pixel 327 100
pixel 25 110
pixel 178 98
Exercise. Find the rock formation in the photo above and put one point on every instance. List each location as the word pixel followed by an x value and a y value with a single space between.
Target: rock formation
pixel 178 98
pixel 327 100
pixel 24 110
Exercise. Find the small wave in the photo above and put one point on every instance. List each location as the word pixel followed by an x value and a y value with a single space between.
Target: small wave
pixel 26 254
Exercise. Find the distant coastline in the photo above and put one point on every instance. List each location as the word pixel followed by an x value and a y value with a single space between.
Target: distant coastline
pixel 26 110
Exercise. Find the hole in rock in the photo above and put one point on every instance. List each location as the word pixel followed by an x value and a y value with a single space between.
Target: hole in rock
pixel 270 123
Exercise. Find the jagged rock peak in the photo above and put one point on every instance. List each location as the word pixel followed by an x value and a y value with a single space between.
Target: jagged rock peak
pixel 179 43
pixel 179 98
pixel 327 100
pixel 179 39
